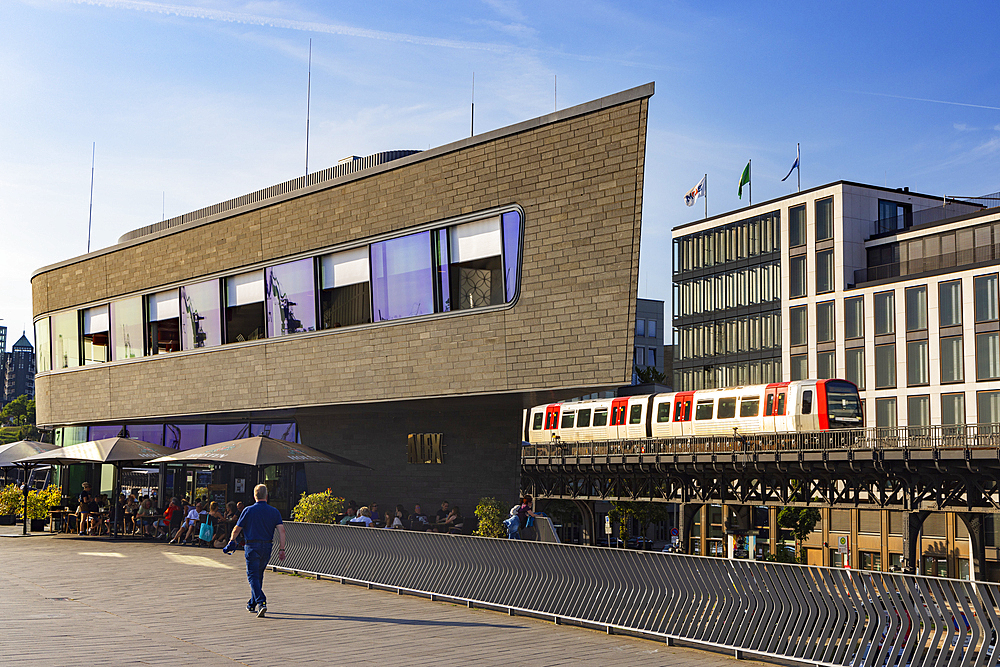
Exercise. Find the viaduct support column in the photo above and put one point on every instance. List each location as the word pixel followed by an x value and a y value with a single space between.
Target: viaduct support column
pixel 688 511
pixel 588 530
pixel 911 530
pixel 976 523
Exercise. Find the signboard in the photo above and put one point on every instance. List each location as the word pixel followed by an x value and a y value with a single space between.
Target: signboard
pixel 241 485
pixel 843 544
pixel 607 525
pixel 217 493
pixel 424 448
pixel 674 532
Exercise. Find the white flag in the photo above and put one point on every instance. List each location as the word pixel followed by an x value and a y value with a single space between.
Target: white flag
pixel 697 191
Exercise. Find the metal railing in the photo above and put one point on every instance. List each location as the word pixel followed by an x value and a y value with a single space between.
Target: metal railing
pixel 823 616
pixel 972 436
pixel 951 260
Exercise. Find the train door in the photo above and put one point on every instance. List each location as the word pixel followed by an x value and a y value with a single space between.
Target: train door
pixel 637 422
pixel 551 421
pixel 619 418
pixel 682 413
pixel 806 408
pixel 776 408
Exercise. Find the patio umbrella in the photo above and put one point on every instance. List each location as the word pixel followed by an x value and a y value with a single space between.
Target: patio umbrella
pixel 257 451
pixel 14 451
pixel 116 451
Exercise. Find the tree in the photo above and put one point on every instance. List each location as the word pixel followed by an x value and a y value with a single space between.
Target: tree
pixel 643 513
pixel 801 521
pixel 491 515
pixel 650 374
pixel 16 412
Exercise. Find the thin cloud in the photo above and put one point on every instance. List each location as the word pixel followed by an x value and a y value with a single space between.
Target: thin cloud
pixel 924 99
pixel 244 18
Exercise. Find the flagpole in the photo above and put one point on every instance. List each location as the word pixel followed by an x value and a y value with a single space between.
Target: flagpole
pixel 750 182
pixel 706 196
pixel 798 167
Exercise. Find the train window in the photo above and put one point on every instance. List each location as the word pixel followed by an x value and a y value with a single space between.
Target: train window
pixel 769 408
pixel 687 411
pixel 583 419
pixel 663 413
pixel 567 420
pixel 779 410
pixel 635 415
pixel 601 417
pixel 807 402
pixel 551 419
pixel 750 406
pixel 536 424
pixel 727 408
pixel 703 410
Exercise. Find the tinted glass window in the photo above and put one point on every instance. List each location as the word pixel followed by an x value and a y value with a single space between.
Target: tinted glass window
pixel 985 288
pixel 201 315
pixel 797 226
pixel 663 412
pixel 567 420
pixel 824 219
pixel 476 270
pixel 66 339
pixel 780 409
pixel 843 403
pixel 402 278
pixel 704 410
pixel 583 419
pixel 727 408
pixel 854 317
pixel 601 417
pixel 511 223
pixel 43 349
pixel 290 297
pixel 635 415
pixel 536 424
pixel 807 402
pixel 750 406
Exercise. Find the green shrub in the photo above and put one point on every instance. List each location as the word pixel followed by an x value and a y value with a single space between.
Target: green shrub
pixel 12 502
pixel 491 515
pixel 318 508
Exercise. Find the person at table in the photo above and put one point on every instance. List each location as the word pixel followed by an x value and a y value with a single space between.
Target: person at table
pixel 349 513
pixel 171 519
pixel 189 525
pixel 131 509
pixel 442 514
pixel 144 517
pixel 398 519
pixel 83 511
pixel 376 518
pixel 94 516
pixel 364 516
pixel 454 523
pixel 418 520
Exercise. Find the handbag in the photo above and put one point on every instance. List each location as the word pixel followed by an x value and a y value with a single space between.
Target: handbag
pixel 205 532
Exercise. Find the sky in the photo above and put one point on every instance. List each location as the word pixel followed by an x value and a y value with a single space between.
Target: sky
pixel 182 104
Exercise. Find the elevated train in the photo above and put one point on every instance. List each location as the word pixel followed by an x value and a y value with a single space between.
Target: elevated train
pixel 782 407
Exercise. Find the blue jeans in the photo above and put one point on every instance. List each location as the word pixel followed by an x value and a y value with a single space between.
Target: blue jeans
pixel 258 554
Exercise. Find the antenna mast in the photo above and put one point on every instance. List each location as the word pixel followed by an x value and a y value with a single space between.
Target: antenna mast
pixel 308 101
pixel 472 122
pixel 90 216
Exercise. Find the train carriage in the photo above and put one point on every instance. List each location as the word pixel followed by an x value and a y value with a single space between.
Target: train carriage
pixel 800 406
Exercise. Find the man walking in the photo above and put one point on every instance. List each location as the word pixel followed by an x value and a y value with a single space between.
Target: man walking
pixel 257 523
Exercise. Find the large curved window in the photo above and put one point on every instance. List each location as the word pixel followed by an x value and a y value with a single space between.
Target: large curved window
pixel 290 298
pixel 345 290
pixel 201 316
pixel 402 278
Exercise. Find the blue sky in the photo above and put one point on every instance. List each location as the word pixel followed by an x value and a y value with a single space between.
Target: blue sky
pixel 191 103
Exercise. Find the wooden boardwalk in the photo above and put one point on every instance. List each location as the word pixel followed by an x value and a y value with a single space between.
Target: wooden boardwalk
pixel 79 601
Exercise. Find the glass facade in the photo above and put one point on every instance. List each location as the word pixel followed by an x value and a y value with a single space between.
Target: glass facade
pixel 854 317
pixel 985 297
pixel 290 298
pixel 345 290
pixel 988 356
pixel 916 308
pixel 916 363
pixel 885 366
pixel 885 313
pixel 65 340
pixel 402 277
pixel 950 303
pixel 739 240
pixel 96 335
pixel 952 359
pixel 856 366
pixel 184 436
pixel 824 219
pixel 245 307
pixel 201 315
pixel 127 328
pixel 469 265
pixel 43 346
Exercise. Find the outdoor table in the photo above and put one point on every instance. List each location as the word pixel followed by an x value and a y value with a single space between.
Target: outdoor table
pixel 60 516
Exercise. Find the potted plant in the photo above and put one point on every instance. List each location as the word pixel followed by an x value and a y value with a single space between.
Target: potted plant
pixel 11 502
pixel 318 508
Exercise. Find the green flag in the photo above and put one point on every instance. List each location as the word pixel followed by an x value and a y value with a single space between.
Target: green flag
pixel 744 179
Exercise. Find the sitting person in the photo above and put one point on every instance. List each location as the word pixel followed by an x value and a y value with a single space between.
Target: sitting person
pixel 454 523
pixel 189 526
pixel 83 513
pixel 418 520
pixel 131 508
pixel 172 517
pixel 94 514
pixel 144 518
pixel 396 520
pixel 364 517
pixel 349 513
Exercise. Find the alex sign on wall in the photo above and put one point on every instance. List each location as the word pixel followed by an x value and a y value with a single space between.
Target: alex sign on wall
pixel 424 448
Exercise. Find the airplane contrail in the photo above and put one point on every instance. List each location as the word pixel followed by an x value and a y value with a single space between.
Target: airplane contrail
pixel 924 99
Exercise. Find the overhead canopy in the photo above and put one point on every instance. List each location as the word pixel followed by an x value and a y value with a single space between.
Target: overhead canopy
pixel 14 451
pixel 257 451
pixel 108 450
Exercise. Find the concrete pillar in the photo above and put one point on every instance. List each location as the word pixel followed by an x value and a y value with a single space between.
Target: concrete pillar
pixel 688 512
pixel 976 523
pixel 589 529
pixel 911 534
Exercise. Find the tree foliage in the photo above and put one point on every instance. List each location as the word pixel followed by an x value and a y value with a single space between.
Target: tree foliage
pixel 644 514
pixel 491 515
pixel 39 501
pixel 650 374
pixel 19 411
pixel 800 521
pixel 318 508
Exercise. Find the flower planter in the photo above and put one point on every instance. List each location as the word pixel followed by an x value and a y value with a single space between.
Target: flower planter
pixel 8 519
pixel 38 525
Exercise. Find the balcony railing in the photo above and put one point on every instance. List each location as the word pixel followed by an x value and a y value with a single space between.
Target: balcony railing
pixel 911 267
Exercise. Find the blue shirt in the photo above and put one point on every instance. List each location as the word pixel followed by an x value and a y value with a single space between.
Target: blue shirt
pixel 259 521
